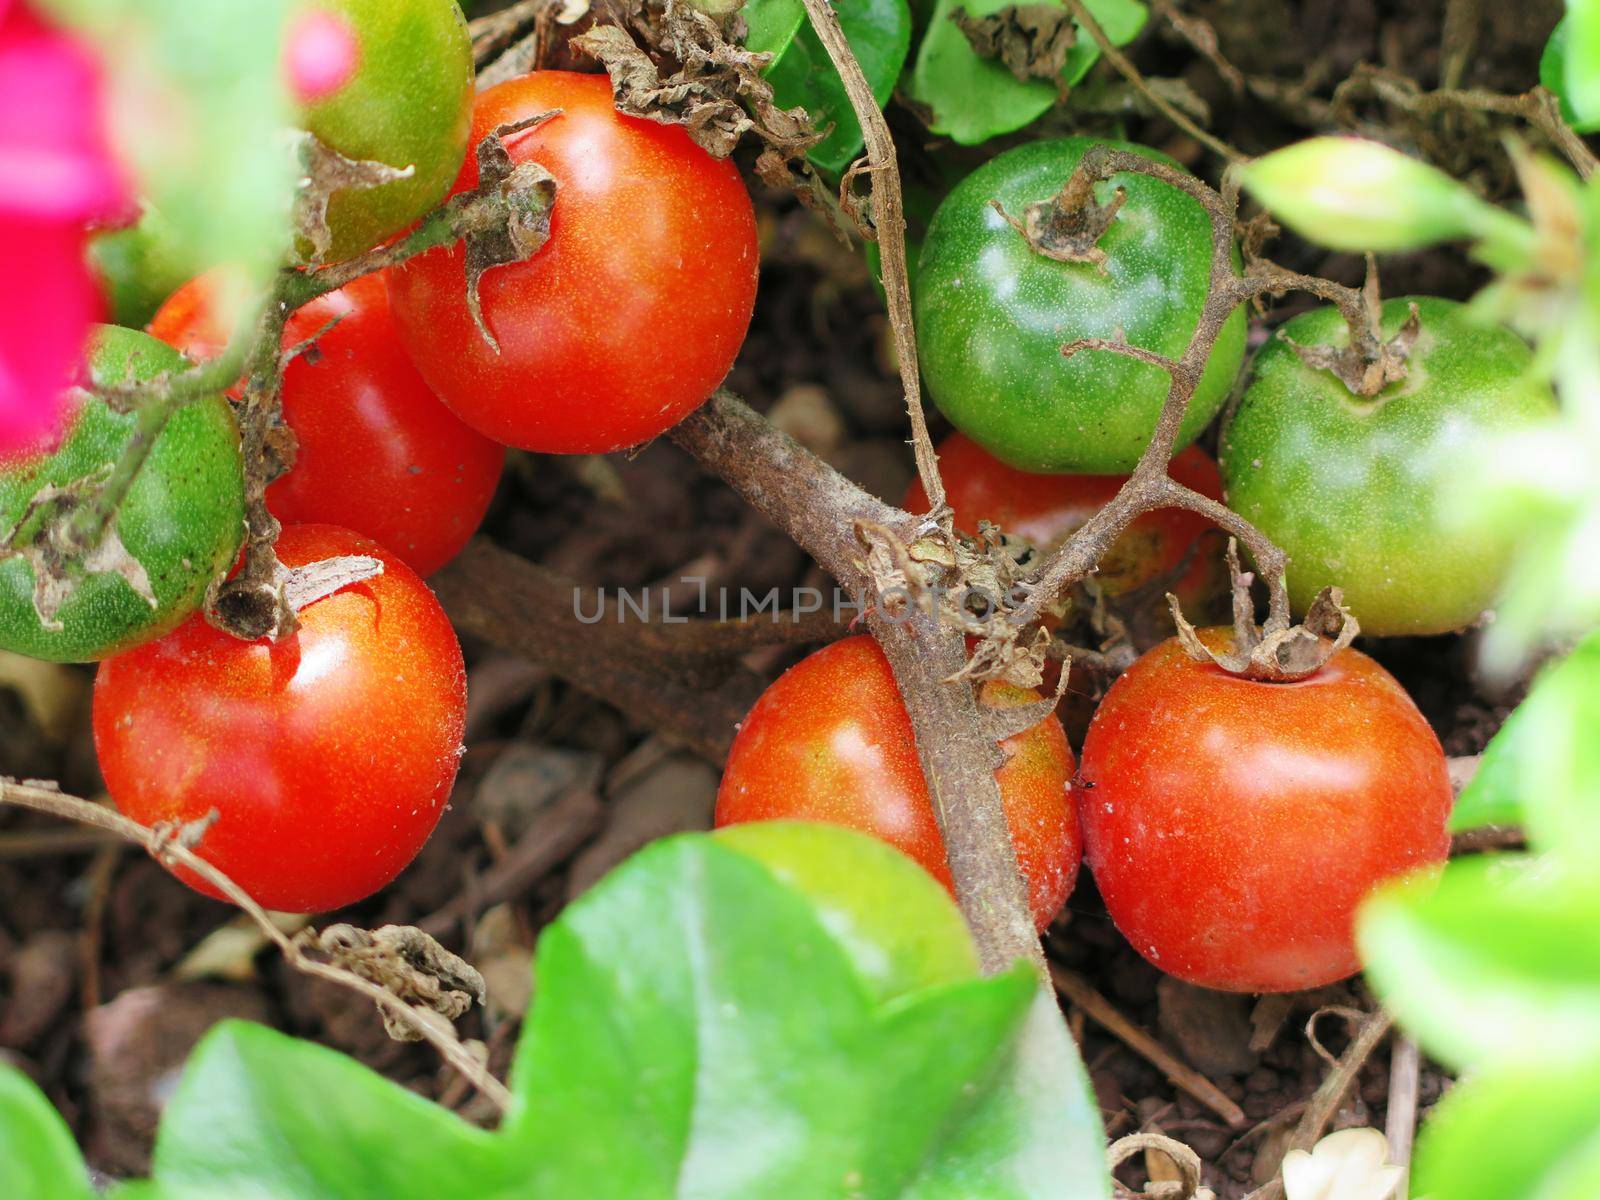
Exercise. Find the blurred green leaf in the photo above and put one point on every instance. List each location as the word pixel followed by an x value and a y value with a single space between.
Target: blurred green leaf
pixel 199 110
pixel 1500 962
pixel 1560 764
pixel 698 1031
pixel 1514 1133
pixel 139 267
pixel 1581 62
pixel 262 1116
pixel 879 32
pixel 38 1158
pixel 974 98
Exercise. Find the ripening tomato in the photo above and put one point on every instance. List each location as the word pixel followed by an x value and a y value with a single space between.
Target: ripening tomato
pixel 1233 826
pixel 378 453
pixel 1359 492
pixel 628 317
pixel 408 105
pixel 992 316
pixel 831 741
pixel 329 756
pixel 1044 509
pixel 181 522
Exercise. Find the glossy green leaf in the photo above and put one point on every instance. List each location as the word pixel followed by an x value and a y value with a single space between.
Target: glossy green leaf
pixel 38 1158
pixel 261 1116
pixel 198 109
pixel 879 32
pixel 698 1031
pixel 772 24
pixel 974 98
pixel 1514 1133
pixel 1500 962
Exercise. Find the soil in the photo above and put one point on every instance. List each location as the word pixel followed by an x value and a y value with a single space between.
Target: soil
pixel 100 998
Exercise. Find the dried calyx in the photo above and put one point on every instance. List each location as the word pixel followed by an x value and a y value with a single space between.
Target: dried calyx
pixel 1068 226
pixel 1369 362
pixel 1274 652
pixel 326 172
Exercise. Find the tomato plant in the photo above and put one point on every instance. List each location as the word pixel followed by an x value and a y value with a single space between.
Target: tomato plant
pixel 378 453
pixel 625 320
pixel 180 523
pixel 1044 509
pixel 328 756
pixel 992 316
pixel 409 105
pixel 831 741
pixel 1364 493
pixel 1234 825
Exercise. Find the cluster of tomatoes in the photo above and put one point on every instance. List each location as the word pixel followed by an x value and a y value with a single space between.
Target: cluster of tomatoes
pixel 329 756
pixel 1232 825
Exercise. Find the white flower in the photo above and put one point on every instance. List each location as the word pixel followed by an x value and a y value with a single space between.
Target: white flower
pixel 1349 1165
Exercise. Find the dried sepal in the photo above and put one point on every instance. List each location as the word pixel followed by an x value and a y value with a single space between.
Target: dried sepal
pixel 1368 363
pixel 56 559
pixel 1069 225
pixel 527 192
pixel 325 173
pixel 408 964
pixel 1032 41
pixel 1275 655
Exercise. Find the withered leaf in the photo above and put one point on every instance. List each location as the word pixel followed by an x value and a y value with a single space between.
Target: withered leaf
pixel 326 172
pixel 1031 40
pixel 408 964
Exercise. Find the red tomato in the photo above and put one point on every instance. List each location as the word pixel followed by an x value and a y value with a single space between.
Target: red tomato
pixel 378 453
pixel 628 317
pixel 1233 826
pixel 328 756
pixel 831 741
pixel 1044 509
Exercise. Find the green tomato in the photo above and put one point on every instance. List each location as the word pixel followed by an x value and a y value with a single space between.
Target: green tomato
pixel 992 316
pixel 409 104
pixel 139 267
pixel 896 922
pixel 1358 491
pixel 182 520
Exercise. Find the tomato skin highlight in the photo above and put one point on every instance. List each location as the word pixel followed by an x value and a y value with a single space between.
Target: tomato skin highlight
pixel 328 756
pixel 992 315
pixel 632 312
pixel 1234 826
pixel 831 741
pixel 1362 493
pixel 378 453
pixel 181 521
pixel 1045 509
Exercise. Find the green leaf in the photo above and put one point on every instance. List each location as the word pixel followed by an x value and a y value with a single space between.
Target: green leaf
pixel 772 24
pixel 1515 1133
pixel 1494 794
pixel 1581 52
pixel 1498 963
pixel 974 98
pixel 1560 769
pixel 199 109
pixel 261 1116
pixel 699 1031
pixel 38 1158
pixel 879 32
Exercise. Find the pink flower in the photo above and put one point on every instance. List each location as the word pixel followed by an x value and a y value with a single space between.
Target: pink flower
pixel 56 175
pixel 320 54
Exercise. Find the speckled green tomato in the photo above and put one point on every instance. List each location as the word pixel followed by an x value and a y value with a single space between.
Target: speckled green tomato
pixel 1358 491
pixel 408 104
pixel 992 315
pixel 182 520
pixel 898 925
